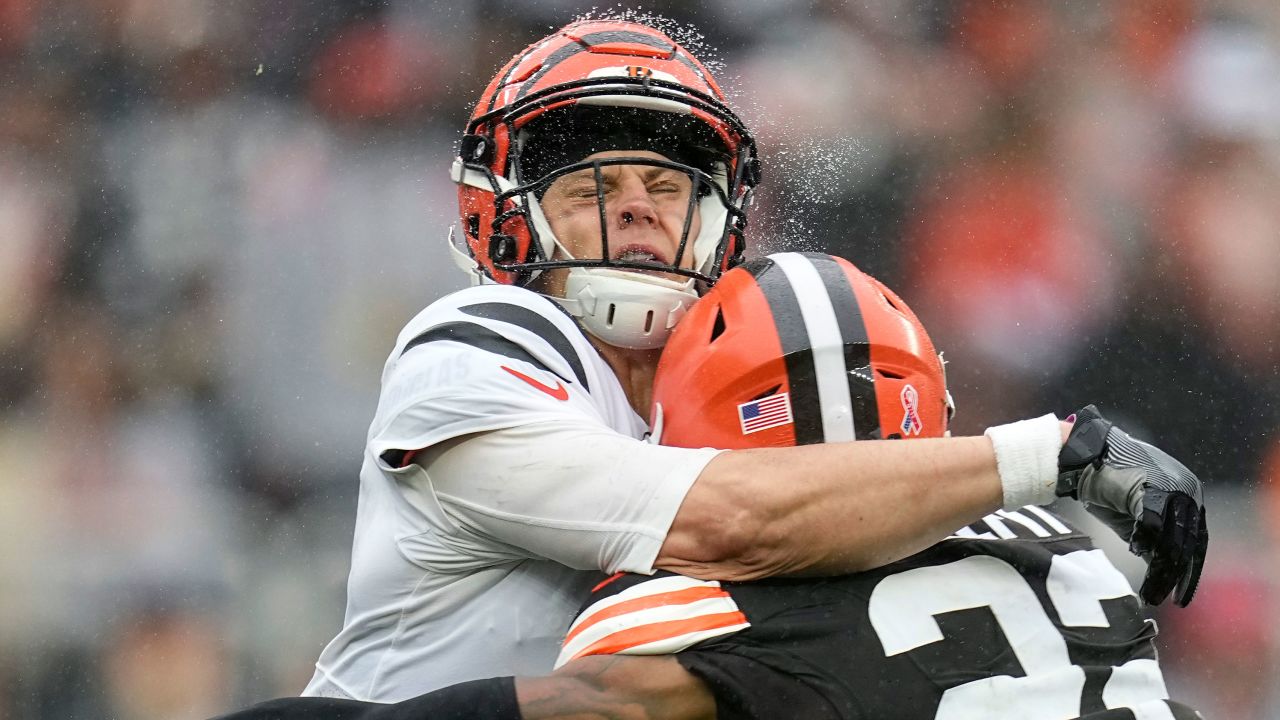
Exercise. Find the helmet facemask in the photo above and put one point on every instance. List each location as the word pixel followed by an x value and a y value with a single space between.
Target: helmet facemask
pixel 563 142
pixel 629 302
pixel 595 86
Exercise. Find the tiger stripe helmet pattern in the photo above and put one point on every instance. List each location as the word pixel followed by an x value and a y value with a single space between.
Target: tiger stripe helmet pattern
pixel 600 64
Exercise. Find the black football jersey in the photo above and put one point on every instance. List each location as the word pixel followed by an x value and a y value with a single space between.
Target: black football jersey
pixel 1015 617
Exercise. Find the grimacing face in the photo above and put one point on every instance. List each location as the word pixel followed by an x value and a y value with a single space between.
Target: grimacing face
pixel 645 208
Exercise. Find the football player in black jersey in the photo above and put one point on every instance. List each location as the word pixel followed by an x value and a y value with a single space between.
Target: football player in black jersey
pixel 1016 616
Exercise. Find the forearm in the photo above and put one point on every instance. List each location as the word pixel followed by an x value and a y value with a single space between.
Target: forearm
pixel 828 509
pixel 613 687
pixel 603 687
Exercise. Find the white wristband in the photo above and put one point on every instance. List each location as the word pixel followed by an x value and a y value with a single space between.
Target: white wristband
pixel 1027 459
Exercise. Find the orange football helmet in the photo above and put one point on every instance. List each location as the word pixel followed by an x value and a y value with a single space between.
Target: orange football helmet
pixel 798 348
pixel 575 78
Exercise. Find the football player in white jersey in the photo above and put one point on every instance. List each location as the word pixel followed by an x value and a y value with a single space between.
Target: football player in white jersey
pixel 602 185
pixel 1016 615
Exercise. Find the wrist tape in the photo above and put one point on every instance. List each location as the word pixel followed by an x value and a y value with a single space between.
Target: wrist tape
pixel 1027 460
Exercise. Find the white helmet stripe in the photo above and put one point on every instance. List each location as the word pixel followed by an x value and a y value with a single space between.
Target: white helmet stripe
pixel 823 330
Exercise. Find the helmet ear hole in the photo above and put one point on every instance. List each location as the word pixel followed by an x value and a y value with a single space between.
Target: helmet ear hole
pixel 889 298
pixel 889 374
pixel 771 391
pixel 717 328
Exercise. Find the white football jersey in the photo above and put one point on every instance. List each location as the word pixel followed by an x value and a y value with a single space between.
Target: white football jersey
pixel 504 469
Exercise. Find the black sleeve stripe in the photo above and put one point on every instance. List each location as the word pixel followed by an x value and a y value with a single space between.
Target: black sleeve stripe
pixel 857 346
pixel 538 325
pixel 479 336
pixel 801 375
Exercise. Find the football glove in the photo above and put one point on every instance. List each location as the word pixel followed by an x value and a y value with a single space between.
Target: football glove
pixel 1149 499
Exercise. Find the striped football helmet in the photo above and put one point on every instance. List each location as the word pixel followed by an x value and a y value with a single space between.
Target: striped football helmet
pixel 798 348
pixel 591 86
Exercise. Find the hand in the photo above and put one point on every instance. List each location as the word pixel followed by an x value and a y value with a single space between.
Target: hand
pixel 1144 495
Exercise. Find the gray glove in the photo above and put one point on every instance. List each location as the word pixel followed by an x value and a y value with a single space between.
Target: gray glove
pixel 1144 495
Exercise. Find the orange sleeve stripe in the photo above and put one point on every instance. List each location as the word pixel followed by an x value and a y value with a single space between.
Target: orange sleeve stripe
pixel 627 639
pixel 676 597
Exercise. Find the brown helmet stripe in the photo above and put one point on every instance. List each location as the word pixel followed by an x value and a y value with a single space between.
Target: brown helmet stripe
pixel 857 346
pixel 802 379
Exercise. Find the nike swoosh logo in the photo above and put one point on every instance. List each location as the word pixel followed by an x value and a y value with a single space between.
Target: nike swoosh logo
pixel 559 392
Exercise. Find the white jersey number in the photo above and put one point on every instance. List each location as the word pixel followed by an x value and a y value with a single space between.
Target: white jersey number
pixel 903 609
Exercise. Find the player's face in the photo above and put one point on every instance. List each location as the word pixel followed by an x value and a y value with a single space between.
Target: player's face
pixel 644 213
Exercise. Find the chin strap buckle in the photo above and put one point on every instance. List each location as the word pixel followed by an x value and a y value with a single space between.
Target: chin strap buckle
pixel 475 149
pixel 502 248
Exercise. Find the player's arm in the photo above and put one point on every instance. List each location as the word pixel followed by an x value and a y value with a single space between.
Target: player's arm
pixel 591 498
pixel 820 509
pixel 588 497
pixel 603 687
pixel 613 687
pixel 827 509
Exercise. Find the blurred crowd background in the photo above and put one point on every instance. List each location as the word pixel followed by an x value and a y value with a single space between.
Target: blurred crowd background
pixel 215 216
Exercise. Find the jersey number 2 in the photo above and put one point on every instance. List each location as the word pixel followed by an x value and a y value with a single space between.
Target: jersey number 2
pixel 903 607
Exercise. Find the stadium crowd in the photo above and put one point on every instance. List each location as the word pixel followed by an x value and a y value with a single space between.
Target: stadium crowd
pixel 214 217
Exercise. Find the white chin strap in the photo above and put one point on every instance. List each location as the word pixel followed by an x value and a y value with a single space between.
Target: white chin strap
pixel 626 309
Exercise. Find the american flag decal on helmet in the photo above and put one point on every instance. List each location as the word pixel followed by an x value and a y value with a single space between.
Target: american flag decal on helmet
pixel 656 617
pixel 765 413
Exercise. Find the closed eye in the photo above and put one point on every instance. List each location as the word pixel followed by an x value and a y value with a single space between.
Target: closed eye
pixel 666 186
